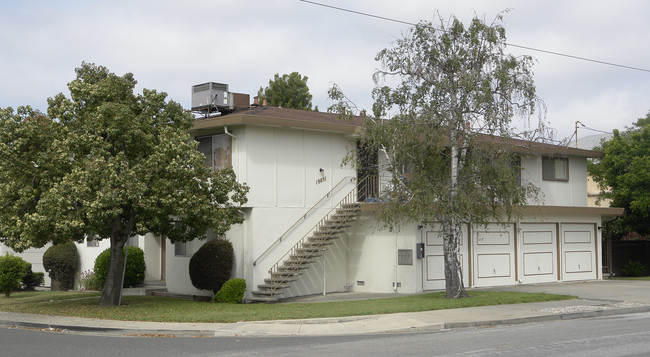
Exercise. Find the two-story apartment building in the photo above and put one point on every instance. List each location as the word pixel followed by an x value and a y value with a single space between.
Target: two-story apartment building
pixel 307 230
pixel 292 161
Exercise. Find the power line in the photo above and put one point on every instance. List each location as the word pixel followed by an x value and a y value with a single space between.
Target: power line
pixel 592 129
pixel 506 43
pixel 359 13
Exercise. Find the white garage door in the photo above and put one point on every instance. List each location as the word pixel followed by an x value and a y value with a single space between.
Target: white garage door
pixel 538 253
pixel 578 246
pixel 494 255
pixel 433 277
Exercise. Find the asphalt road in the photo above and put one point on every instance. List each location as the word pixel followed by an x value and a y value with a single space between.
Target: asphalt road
pixel 623 335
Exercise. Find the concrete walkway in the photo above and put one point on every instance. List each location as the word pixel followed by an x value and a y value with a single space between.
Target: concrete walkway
pixel 595 298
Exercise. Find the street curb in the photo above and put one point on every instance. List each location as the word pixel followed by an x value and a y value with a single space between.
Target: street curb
pixel 546 318
pixel 105 330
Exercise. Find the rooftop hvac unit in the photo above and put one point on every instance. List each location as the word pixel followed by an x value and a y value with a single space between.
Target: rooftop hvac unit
pixel 211 96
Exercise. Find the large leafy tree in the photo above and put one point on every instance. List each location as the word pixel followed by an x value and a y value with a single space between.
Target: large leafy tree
pixel 288 91
pixel 453 97
pixel 107 163
pixel 624 175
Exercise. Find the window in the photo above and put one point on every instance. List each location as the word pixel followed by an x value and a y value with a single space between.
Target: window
pixel 217 150
pixel 92 242
pixel 555 169
pixel 180 248
pixel 515 166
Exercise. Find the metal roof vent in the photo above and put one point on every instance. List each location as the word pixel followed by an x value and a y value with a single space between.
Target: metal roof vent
pixel 211 99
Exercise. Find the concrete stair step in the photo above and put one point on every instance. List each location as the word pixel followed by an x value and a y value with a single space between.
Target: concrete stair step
pixel 261 299
pixel 273 286
pixel 266 292
pixel 279 280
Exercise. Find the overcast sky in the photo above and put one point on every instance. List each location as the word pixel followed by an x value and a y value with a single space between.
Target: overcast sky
pixel 172 45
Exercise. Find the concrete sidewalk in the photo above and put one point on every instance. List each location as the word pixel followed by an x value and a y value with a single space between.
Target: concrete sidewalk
pixel 595 298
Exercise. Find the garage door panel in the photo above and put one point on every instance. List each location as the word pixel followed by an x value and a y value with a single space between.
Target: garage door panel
pixel 537 237
pixel 538 264
pixel 435 267
pixel 434 238
pixel 492 238
pixel 493 265
pixel 579 251
pixel 578 262
pixel 537 253
pixel 577 237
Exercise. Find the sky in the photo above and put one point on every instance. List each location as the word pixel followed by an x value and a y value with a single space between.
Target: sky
pixel 171 45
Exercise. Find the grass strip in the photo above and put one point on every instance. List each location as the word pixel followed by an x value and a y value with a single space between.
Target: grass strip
pixel 166 309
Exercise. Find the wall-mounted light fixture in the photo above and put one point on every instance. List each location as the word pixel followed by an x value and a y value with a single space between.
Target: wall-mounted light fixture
pixel 322 176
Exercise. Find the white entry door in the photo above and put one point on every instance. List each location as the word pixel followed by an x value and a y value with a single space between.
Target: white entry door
pixel 433 275
pixel 538 253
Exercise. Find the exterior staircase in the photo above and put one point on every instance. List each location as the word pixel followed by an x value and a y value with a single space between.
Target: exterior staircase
pixel 302 255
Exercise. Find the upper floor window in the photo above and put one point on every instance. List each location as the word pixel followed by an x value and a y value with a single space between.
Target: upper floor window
pixel 217 150
pixel 515 166
pixel 555 169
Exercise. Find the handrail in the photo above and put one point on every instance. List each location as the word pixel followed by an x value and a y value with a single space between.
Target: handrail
pixel 366 184
pixel 304 216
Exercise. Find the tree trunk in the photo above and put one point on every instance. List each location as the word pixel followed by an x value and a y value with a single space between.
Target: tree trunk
pixel 452 231
pixel 454 285
pixel 112 293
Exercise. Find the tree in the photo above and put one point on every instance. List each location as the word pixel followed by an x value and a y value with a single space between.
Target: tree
pixel 107 163
pixel 624 175
pixel 288 91
pixel 446 147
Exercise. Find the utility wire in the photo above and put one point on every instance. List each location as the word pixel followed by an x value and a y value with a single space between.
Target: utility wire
pixel 506 43
pixel 592 129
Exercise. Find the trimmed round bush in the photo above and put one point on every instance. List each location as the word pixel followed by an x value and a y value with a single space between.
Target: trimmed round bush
pixel 31 279
pixel 135 267
pixel 60 262
pixel 232 292
pixel 12 271
pixel 211 265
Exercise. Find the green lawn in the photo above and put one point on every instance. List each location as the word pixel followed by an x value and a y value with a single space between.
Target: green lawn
pixel 158 308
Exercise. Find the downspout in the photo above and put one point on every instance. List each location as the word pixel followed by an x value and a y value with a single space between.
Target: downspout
pixel 608 242
pixel 225 130
pixel 396 264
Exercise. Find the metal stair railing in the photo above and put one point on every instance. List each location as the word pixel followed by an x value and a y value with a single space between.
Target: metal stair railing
pixel 304 216
pixel 367 184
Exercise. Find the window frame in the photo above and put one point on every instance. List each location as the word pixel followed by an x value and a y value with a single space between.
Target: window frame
pixel 546 176
pixel 225 154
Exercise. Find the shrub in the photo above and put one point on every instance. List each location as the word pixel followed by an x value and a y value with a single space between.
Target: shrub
pixel 633 268
pixel 211 265
pixel 135 267
pixel 60 262
pixel 232 292
pixel 31 279
pixel 12 271
pixel 89 281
